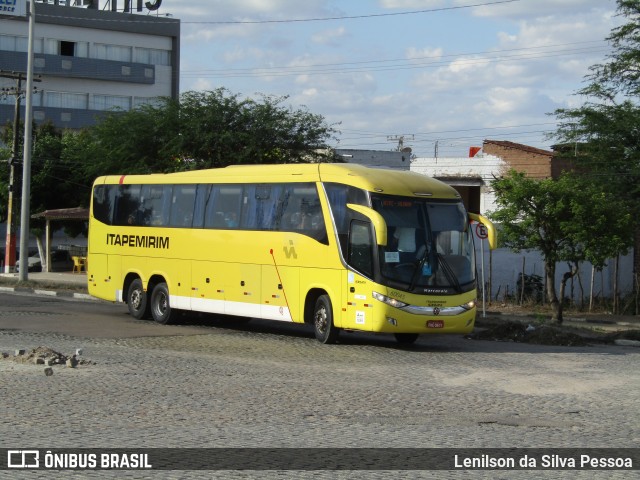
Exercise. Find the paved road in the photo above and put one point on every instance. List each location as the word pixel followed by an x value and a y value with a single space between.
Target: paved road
pixel 208 384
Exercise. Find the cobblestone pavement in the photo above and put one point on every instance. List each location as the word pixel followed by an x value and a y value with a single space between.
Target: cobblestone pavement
pixel 262 385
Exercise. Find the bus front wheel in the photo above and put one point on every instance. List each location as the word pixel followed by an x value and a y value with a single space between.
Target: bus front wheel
pixel 323 327
pixel 161 311
pixel 137 300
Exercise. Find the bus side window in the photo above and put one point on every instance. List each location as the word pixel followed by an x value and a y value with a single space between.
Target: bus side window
pixel 183 205
pixel 152 211
pixel 104 203
pixel 127 205
pixel 223 206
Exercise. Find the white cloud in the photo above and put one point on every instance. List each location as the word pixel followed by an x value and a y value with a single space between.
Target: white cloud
pixel 471 69
pixel 411 4
pixel 224 10
pixel 503 101
pixel 542 8
pixel 414 53
pixel 330 37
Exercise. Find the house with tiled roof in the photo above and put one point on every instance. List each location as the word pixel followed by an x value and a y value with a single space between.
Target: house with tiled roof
pixel 472 175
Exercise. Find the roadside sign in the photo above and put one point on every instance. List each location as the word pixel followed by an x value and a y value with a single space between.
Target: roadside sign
pixel 16 8
pixel 481 231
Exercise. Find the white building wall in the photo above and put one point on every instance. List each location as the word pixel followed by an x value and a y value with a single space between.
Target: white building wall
pixel 163 74
pixel 81 71
pixel 482 167
pixel 507 267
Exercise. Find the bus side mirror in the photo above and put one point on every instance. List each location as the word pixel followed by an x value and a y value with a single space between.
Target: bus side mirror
pixel 492 235
pixel 380 226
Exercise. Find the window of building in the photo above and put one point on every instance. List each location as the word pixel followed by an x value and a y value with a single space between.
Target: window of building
pixel 13 43
pixel 118 53
pixel 73 49
pixel 65 100
pixel 67 49
pixel 109 102
pixel 152 56
pixel 153 101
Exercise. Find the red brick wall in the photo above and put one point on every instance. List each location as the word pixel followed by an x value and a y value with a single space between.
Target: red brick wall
pixel 532 162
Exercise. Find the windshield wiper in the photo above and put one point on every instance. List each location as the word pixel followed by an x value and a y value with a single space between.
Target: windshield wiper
pixel 451 276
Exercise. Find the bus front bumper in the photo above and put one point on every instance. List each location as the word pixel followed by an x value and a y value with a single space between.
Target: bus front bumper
pixel 397 317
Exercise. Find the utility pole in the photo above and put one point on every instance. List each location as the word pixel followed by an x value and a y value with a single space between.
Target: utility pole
pixel 26 158
pixel 10 250
pixel 400 140
pixel 18 93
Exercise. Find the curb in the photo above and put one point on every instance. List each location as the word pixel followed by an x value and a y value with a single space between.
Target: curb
pixel 49 293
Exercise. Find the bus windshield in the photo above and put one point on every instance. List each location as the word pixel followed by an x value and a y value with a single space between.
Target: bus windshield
pixel 429 245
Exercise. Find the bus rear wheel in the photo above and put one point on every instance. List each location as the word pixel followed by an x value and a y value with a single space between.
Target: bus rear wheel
pixel 161 310
pixel 406 338
pixel 137 300
pixel 323 327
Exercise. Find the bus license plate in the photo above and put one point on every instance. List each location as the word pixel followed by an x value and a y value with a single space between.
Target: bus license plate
pixel 435 324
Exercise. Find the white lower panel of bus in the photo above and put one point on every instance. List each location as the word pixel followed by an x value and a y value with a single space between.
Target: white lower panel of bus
pixel 241 309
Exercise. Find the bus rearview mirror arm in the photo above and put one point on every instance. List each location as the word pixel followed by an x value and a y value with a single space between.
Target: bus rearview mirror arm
pixel 376 219
pixel 492 235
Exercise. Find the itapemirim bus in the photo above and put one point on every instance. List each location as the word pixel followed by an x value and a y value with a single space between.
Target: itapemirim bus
pixel 337 246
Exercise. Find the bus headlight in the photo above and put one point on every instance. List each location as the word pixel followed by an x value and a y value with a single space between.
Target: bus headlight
pixel 388 300
pixel 469 305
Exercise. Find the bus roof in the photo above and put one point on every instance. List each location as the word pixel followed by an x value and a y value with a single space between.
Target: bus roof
pixel 391 182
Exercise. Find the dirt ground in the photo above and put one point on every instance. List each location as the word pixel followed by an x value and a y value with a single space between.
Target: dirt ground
pixel 513 323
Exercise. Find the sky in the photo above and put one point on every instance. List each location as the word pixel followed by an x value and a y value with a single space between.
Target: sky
pixel 444 75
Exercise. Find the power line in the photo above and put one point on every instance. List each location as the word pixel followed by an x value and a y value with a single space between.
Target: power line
pixel 349 17
pixel 407 64
pixel 598 44
pixel 293 20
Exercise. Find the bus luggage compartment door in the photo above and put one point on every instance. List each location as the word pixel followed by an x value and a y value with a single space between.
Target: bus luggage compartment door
pixel 359 303
pixel 243 290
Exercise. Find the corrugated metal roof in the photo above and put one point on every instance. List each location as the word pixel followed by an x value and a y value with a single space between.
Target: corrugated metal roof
pixel 78 213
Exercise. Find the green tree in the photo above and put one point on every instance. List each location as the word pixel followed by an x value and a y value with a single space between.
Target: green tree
pixel 53 184
pixel 603 135
pixel 202 130
pixel 568 220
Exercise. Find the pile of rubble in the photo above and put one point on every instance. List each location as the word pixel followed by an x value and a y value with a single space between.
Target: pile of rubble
pixel 47 356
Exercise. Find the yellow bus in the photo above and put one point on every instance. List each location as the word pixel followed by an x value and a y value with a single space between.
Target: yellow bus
pixel 336 246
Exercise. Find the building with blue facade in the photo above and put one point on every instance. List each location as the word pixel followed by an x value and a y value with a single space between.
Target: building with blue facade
pixel 90 57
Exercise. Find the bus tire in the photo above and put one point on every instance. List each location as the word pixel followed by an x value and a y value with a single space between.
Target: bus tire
pixel 323 327
pixel 161 311
pixel 137 300
pixel 406 338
